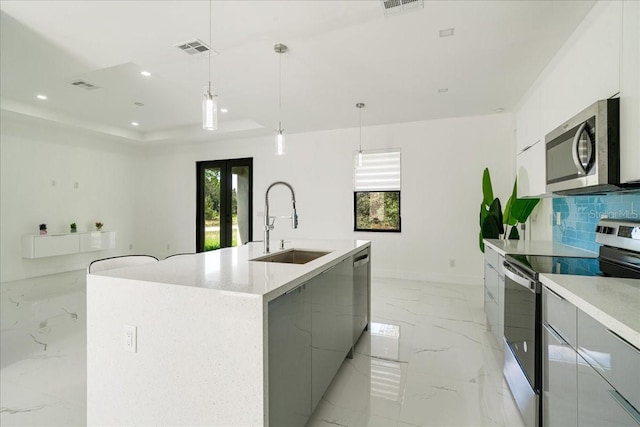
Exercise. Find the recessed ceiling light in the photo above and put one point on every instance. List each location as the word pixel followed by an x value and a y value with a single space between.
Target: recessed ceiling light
pixel 134 123
pixel 443 90
pixel 224 110
pixel 145 73
pixel 447 32
pixel 499 110
pixel 43 97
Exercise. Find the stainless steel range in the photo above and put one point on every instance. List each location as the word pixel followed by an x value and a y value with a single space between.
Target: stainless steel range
pixel 618 257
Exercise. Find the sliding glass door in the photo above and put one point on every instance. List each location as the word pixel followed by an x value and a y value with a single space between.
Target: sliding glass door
pixel 224 203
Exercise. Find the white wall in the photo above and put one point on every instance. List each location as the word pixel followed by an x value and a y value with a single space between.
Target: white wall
pixel 442 164
pixel 34 153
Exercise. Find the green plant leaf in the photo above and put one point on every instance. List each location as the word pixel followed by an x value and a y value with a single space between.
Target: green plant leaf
pixel 495 211
pixel 487 189
pixel 522 208
pixel 491 228
pixel 514 234
pixel 508 216
pixel 484 212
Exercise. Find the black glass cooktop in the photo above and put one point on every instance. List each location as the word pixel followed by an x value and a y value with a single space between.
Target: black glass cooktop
pixel 576 266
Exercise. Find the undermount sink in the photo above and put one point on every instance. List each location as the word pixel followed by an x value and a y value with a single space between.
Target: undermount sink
pixel 292 256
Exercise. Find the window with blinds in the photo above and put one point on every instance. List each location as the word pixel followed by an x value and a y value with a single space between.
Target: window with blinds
pixel 377 191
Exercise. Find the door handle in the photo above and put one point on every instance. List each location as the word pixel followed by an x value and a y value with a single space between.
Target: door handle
pixel 522 281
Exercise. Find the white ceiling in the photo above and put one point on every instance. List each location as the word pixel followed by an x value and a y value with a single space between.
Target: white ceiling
pixel 340 53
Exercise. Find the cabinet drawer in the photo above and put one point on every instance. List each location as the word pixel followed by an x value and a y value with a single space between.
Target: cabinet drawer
pixel 492 258
pixel 55 244
pixel 560 314
pixel 559 381
pixel 615 359
pixel 599 404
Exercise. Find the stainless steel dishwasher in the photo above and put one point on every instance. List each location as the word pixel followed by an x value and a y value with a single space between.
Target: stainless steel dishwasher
pixel 361 292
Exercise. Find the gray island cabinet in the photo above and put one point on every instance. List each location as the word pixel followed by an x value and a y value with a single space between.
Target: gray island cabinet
pixel 312 328
pixel 222 339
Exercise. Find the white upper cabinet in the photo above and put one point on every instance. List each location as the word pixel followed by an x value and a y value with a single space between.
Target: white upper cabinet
pixel 630 94
pixel 528 129
pixel 587 68
pixel 531 171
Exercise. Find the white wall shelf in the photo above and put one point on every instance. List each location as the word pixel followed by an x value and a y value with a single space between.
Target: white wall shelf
pixel 47 245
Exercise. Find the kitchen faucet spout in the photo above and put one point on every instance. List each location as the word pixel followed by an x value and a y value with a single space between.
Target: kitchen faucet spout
pixel 269 220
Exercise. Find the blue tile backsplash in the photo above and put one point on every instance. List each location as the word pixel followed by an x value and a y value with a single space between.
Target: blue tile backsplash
pixel 580 215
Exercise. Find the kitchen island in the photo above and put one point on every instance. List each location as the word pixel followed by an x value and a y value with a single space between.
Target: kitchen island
pixel 219 338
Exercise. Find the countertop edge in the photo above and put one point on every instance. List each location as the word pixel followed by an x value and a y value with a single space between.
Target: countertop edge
pixel 537 247
pixel 607 320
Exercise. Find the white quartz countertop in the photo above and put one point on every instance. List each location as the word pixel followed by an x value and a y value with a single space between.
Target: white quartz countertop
pixel 536 247
pixel 613 302
pixel 232 269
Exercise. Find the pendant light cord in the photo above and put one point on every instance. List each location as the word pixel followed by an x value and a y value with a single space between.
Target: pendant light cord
pixel 209 47
pixel 279 91
pixel 360 129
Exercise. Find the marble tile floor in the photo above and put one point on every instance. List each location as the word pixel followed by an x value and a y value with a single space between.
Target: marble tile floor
pixel 426 360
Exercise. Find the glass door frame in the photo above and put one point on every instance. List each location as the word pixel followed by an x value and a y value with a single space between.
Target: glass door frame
pixel 226 190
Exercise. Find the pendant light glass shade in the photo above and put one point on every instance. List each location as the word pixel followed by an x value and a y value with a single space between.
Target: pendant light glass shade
pixel 280 147
pixel 209 111
pixel 359 162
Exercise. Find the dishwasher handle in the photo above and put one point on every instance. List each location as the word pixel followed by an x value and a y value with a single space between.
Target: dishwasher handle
pixel 360 261
pixel 523 281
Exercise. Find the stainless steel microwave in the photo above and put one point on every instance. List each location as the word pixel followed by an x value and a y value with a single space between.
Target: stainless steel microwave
pixel 583 154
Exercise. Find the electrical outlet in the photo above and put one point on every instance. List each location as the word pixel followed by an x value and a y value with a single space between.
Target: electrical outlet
pixel 130 246
pixel 131 338
pixel 76 185
pixel 452 263
pixel 168 246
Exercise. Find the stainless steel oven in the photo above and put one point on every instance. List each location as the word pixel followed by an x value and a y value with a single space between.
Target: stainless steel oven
pixel 583 154
pixel 522 351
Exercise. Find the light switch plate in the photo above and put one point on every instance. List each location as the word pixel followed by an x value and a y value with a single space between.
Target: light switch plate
pixel 131 338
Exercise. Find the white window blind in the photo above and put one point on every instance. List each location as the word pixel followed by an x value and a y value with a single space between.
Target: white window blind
pixel 380 171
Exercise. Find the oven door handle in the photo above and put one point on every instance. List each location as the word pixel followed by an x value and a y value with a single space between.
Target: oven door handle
pixel 520 280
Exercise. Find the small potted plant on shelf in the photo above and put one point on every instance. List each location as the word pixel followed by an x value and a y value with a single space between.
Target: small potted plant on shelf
pixel 73 227
pixel 43 228
pixel 99 225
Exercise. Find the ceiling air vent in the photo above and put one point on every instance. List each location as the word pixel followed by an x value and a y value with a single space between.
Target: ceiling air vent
pixel 395 7
pixel 195 47
pixel 84 85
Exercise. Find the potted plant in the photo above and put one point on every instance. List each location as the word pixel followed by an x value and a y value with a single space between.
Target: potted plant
pixel 99 225
pixel 493 221
pixel 73 227
pixel 43 228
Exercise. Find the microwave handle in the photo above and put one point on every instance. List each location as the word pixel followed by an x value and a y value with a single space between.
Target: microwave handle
pixel 574 150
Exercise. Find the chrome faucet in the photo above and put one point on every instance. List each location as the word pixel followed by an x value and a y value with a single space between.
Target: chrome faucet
pixel 270 220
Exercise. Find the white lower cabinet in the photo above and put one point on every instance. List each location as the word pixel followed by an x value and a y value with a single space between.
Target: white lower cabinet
pixel 600 404
pixel 559 358
pixel 494 294
pixel 590 377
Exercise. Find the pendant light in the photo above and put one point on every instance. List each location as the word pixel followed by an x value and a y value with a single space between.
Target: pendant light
pixel 210 102
pixel 360 106
pixel 280 148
